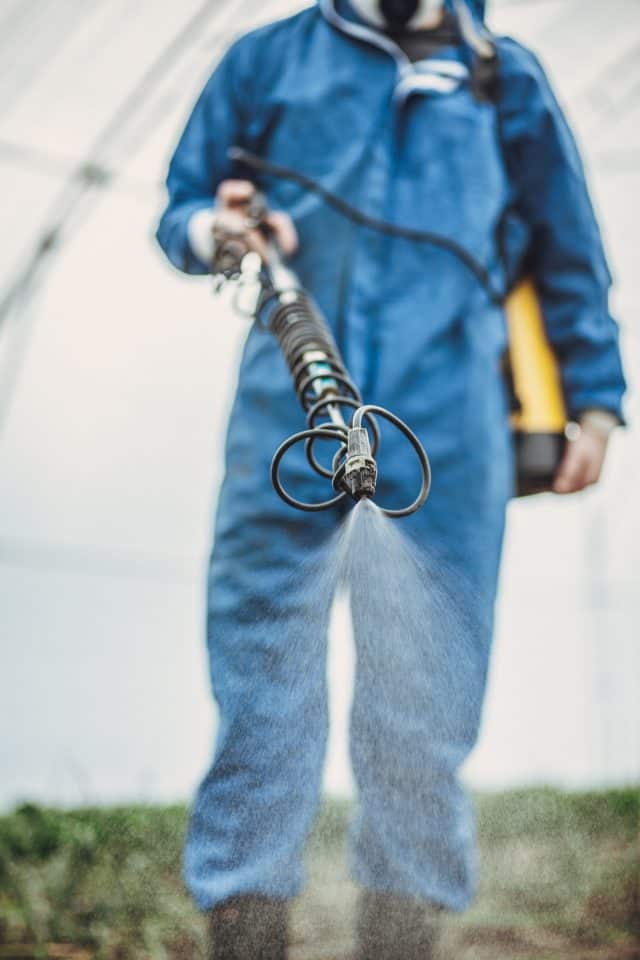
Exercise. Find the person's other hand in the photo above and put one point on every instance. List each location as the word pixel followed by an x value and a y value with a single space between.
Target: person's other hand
pixel 232 204
pixel 582 463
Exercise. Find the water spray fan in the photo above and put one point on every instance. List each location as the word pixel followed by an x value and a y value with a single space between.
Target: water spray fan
pixel 334 408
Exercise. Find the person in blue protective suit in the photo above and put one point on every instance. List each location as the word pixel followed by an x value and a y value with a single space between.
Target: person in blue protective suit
pixel 409 109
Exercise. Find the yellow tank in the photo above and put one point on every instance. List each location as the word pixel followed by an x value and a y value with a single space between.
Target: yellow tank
pixel 540 418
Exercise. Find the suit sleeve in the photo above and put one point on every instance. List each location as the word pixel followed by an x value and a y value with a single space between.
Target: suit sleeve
pixel 200 163
pixel 566 256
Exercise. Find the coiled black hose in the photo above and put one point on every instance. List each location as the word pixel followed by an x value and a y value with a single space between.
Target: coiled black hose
pixel 324 387
pixel 308 347
pixel 322 384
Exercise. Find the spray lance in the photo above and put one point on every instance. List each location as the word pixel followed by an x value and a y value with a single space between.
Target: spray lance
pixel 331 401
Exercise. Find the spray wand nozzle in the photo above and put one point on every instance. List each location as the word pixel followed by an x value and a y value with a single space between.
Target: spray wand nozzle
pixel 330 399
pixel 359 474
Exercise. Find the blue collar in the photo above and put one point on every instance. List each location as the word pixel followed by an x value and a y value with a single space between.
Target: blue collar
pixel 431 76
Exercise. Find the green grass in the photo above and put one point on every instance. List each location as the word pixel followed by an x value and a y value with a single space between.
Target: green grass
pixel 560 877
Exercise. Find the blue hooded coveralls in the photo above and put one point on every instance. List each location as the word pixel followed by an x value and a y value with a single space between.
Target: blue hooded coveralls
pixel 324 94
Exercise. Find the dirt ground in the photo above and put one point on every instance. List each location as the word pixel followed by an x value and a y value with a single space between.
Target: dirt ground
pixel 323 924
pixel 560 880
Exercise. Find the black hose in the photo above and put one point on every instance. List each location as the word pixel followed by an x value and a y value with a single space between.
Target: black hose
pixel 268 167
pixel 316 433
pixel 425 466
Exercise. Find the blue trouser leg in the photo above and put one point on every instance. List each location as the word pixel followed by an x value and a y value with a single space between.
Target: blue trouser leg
pixel 267 632
pixel 423 642
pixel 415 717
pixel 422 649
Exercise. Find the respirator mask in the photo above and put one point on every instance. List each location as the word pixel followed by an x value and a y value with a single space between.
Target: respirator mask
pixel 396 14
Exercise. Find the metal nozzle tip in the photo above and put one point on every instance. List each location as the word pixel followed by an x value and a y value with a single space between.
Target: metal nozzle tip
pixel 360 472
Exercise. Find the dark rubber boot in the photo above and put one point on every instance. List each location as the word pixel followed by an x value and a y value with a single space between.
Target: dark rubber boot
pixel 250 927
pixel 392 927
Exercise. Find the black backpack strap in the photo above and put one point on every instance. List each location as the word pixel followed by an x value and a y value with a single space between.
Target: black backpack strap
pixel 485 72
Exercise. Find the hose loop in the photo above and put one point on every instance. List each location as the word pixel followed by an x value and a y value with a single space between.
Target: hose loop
pixel 425 466
pixel 321 382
